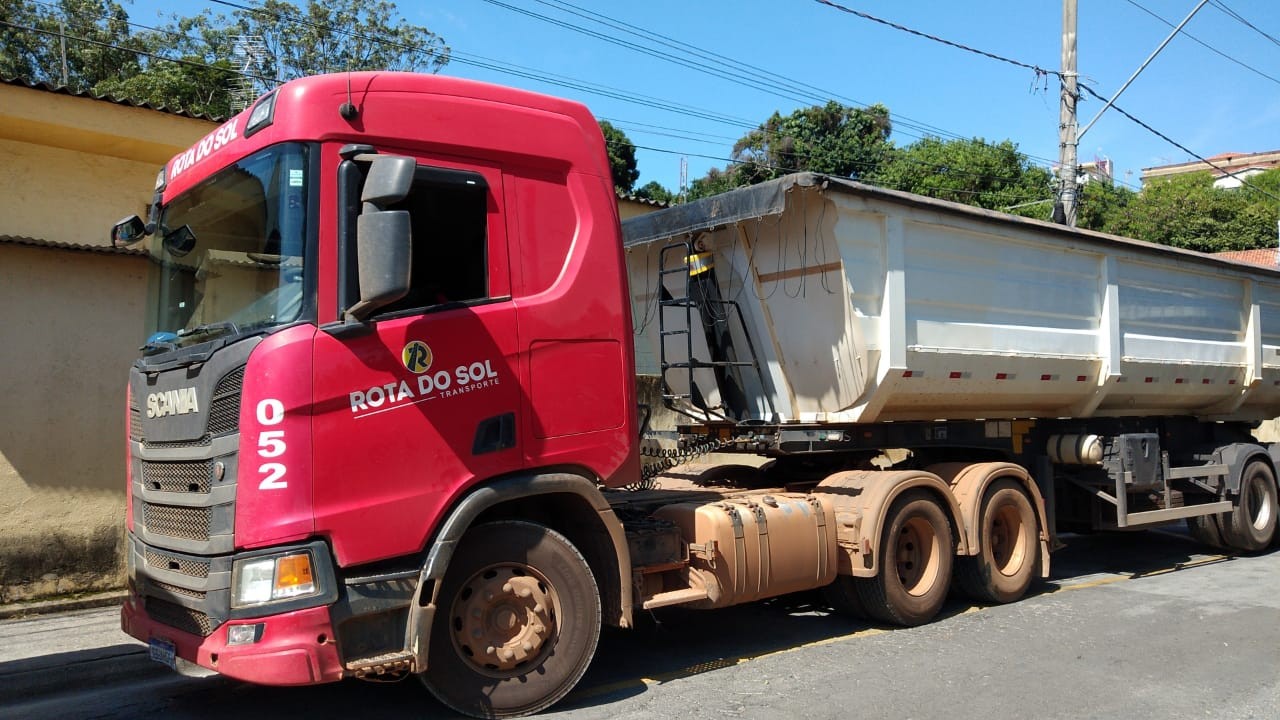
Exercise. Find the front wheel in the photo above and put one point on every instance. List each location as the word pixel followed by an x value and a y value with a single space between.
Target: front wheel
pixel 916 552
pixel 518 622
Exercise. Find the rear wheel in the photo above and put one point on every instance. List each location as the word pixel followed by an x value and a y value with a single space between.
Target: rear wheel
pixel 1205 529
pixel 842 595
pixel 518 622
pixel 1009 545
pixel 1251 526
pixel 916 552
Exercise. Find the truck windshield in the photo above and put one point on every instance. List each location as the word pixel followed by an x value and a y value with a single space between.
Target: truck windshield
pixel 228 254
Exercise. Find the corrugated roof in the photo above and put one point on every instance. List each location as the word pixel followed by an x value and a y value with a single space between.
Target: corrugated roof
pixel 641 200
pixel 1261 256
pixel 82 247
pixel 64 90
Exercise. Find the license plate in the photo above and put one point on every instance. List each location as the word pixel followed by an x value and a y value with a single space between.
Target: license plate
pixel 163 652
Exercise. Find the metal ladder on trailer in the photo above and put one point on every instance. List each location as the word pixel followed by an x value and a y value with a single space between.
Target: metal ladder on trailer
pixel 690 265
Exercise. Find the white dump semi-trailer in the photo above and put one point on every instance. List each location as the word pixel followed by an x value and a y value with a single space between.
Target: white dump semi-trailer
pixel 950 381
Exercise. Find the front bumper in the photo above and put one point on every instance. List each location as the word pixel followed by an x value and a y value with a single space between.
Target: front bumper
pixel 293 648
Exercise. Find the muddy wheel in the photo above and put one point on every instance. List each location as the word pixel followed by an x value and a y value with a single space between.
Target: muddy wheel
pixel 1009 540
pixel 916 552
pixel 1251 526
pixel 518 622
pixel 1206 530
pixel 842 595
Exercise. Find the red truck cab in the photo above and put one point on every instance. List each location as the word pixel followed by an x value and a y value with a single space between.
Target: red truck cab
pixel 383 307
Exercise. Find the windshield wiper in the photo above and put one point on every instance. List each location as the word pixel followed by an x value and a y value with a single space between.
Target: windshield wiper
pixel 225 327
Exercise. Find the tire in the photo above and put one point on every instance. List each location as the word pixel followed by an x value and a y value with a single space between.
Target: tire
pixel 842 596
pixel 1009 542
pixel 1206 530
pixel 518 622
pixel 1251 526
pixel 916 555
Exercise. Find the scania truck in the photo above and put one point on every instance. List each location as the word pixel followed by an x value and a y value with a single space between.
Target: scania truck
pixel 385 422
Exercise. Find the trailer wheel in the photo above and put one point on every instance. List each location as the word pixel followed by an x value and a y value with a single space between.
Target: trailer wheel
pixel 1003 569
pixel 518 622
pixel 1251 526
pixel 916 550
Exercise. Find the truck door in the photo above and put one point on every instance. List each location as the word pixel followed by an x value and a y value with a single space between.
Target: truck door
pixel 424 399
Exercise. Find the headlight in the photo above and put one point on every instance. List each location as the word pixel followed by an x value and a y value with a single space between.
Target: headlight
pixel 266 579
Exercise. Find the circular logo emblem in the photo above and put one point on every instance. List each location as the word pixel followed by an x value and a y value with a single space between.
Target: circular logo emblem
pixel 416 357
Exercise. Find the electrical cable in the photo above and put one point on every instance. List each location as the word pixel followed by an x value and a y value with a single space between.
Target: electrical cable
pixel 1180 146
pixel 1206 45
pixel 1240 18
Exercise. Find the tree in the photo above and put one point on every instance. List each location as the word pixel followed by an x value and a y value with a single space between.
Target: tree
pixel 1187 211
pixel 102 54
pixel 653 190
pixel 622 157
pixel 833 139
pixel 89 38
pixel 337 35
pixel 970 171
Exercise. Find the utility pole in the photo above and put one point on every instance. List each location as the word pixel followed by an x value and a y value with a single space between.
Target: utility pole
pixel 1067 138
pixel 62 39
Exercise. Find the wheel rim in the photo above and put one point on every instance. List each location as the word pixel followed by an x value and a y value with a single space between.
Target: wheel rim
pixel 504 619
pixel 1259 503
pixel 1008 539
pixel 917 556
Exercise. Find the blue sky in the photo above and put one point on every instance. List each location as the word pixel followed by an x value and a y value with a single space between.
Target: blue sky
pixel 1206 102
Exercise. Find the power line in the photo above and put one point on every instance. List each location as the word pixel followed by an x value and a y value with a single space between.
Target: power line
pixel 1206 45
pixel 153 56
pixel 866 16
pixel 499 67
pixel 733 63
pixel 733 75
pixel 1237 16
pixel 1180 146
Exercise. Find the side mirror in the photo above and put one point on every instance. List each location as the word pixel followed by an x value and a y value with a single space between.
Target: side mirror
pixel 388 181
pixel 384 248
pixel 128 231
pixel 384 238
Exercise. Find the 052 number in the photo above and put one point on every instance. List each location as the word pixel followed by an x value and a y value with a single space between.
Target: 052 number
pixel 271 445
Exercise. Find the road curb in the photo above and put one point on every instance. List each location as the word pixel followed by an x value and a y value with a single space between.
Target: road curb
pixel 61 605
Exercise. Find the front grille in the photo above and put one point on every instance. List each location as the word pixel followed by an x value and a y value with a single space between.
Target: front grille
pixel 177 444
pixel 176 590
pixel 183 477
pixel 191 523
pixel 224 411
pixel 135 423
pixel 184 566
pixel 179 617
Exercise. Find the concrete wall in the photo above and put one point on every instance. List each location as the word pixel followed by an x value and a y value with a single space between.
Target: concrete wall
pixel 72 324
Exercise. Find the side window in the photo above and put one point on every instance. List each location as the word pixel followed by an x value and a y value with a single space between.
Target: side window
pixel 448 212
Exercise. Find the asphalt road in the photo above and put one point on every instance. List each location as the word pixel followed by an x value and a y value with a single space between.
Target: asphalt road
pixel 1143 625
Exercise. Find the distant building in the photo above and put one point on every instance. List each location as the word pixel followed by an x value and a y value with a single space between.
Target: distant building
pixel 1259 256
pixel 1237 167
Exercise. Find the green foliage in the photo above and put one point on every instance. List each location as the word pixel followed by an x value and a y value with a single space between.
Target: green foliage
pixel 653 190
pixel 622 157
pixel 103 55
pixel 337 35
pixel 1186 211
pixel 833 139
pixel 33 49
pixel 974 172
